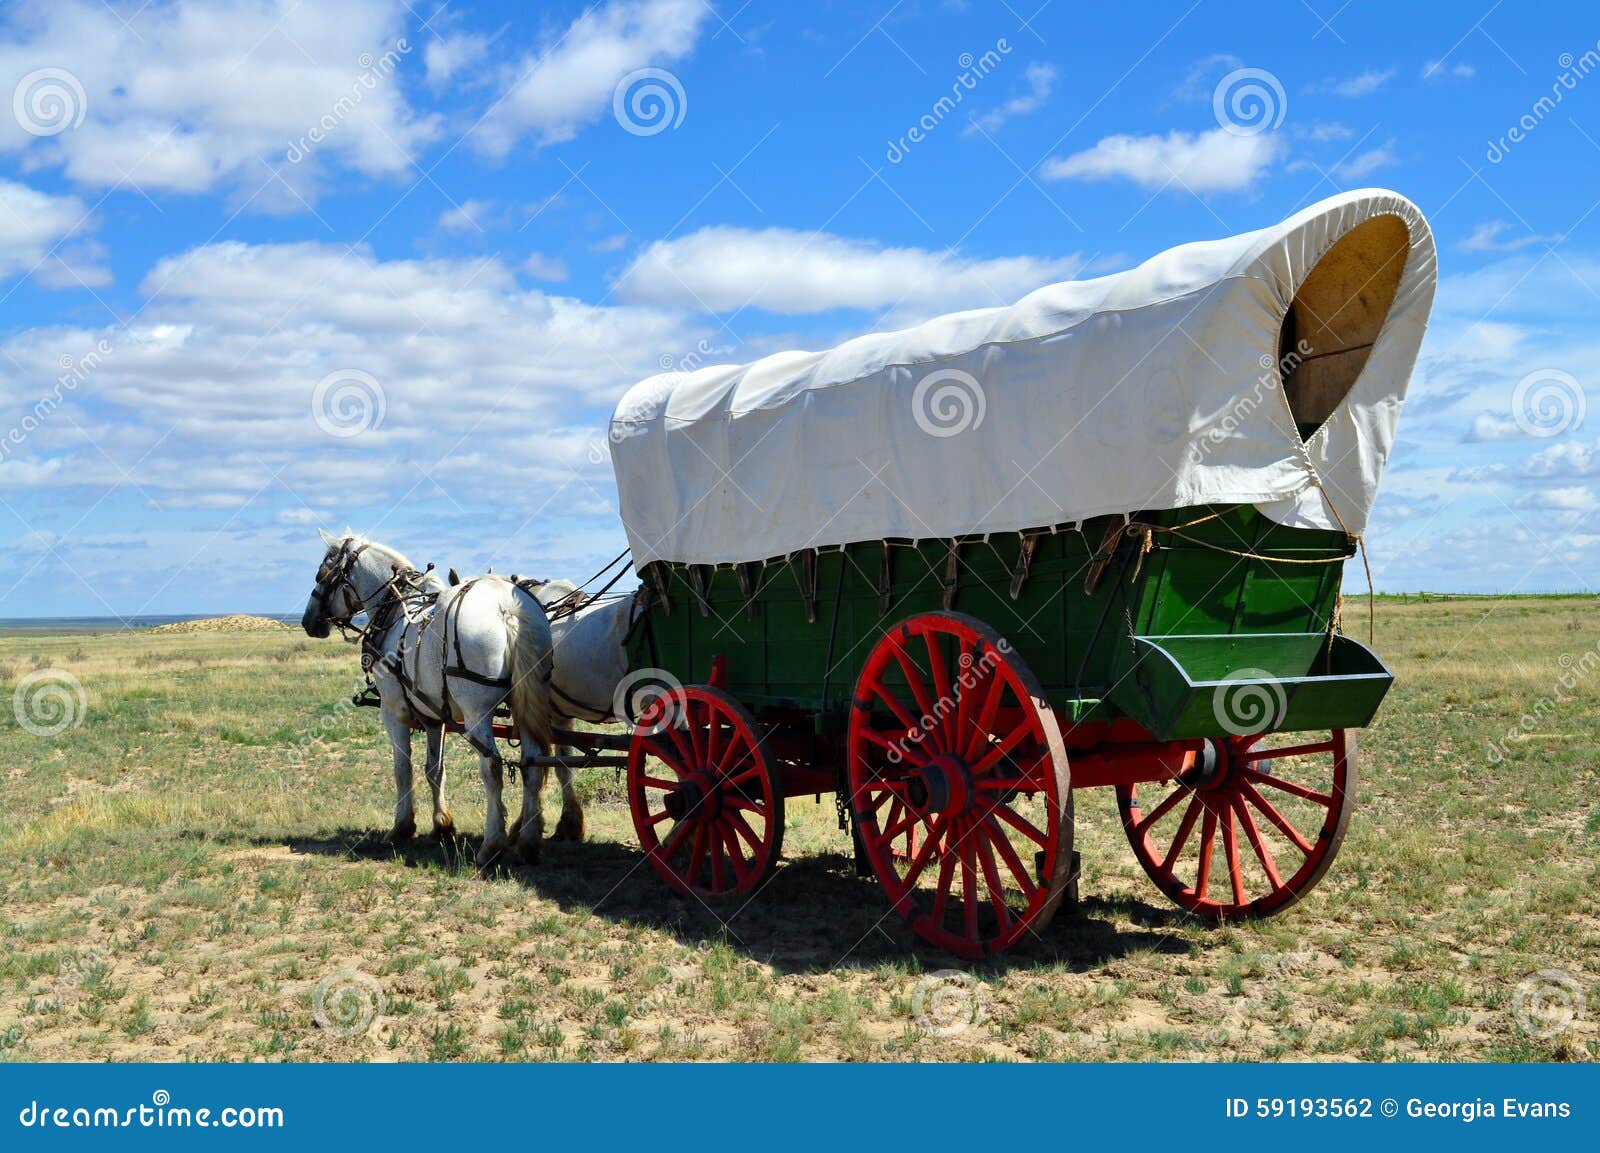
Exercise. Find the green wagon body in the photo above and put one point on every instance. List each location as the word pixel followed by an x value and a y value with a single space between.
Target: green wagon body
pixel 1161 633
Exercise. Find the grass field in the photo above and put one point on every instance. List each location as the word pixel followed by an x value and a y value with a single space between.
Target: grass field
pixel 178 885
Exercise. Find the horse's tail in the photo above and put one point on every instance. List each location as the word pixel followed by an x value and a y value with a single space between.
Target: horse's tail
pixel 532 660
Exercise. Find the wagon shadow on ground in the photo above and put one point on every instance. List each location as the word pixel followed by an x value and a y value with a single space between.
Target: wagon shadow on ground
pixel 813 914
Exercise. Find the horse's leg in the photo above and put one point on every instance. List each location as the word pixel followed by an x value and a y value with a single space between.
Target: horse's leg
pixel 491 768
pixel 444 827
pixel 405 821
pixel 530 825
pixel 570 826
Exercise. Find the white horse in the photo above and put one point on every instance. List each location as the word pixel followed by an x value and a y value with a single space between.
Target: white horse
pixel 590 661
pixel 436 653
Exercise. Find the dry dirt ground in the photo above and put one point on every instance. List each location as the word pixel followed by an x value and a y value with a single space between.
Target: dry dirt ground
pixel 193 868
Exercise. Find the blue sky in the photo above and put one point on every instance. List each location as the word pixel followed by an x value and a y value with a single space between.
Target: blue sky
pixel 242 229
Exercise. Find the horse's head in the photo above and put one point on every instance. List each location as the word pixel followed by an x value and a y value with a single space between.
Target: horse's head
pixel 335 599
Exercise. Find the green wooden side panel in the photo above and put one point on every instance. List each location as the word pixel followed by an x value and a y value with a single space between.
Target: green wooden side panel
pixel 1100 654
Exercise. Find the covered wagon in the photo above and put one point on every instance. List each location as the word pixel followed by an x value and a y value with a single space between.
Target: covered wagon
pixel 958 572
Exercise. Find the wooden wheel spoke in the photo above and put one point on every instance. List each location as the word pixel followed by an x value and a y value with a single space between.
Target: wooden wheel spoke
pixel 1230 849
pixel 1208 840
pixel 1185 827
pixel 716 857
pixel 691 728
pixel 1161 810
pixel 742 827
pixel 1301 791
pixel 941 678
pixel 920 861
pixel 1008 854
pixel 969 889
pixel 680 741
pixel 902 744
pixel 732 755
pixel 660 783
pixel 736 858
pixel 658 750
pixel 991 881
pixel 1011 740
pixel 675 838
pixel 1259 754
pixel 1253 835
pixel 924 703
pixel 697 850
pixel 1020 823
pixel 714 740
pixel 1277 818
pixel 986 714
pixel 941 889
pixel 895 706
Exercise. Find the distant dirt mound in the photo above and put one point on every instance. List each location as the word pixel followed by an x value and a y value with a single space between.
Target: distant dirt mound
pixel 233 623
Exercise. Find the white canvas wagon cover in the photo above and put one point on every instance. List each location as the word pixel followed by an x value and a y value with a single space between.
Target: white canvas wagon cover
pixel 1267 368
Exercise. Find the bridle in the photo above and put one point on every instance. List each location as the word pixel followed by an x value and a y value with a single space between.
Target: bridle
pixel 335 573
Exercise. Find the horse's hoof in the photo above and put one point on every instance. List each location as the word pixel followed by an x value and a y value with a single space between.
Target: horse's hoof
pixel 402 834
pixel 492 855
pixel 568 828
pixel 444 828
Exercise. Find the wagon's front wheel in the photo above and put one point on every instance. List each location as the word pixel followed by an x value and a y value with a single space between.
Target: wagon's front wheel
pixel 959 784
pixel 705 803
pixel 1251 828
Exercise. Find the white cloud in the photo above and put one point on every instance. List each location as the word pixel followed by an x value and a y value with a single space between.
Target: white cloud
pixel 1566 459
pixel 31 224
pixel 490 390
pixel 1215 161
pixel 1361 84
pixel 469 215
pixel 542 267
pixel 723 269
pixel 192 95
pixel 1438 70
pixel 569 84
pixel 1362 166
pixel 1322 132
pixel 1041 80
pixel 1486 238
pixel 1575 498
pixel 448 55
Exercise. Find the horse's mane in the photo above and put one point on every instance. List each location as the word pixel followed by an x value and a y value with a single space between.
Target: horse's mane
pixel 388 555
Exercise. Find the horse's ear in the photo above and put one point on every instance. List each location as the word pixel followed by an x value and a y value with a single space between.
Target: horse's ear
pixel 326 539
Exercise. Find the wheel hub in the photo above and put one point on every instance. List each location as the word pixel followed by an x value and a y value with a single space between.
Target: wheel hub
pixel 697 795
pixel 1211 767
pixel 944 785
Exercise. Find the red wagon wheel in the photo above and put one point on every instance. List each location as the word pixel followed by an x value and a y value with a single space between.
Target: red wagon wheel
pixel 705 804
pixel 959 784
pixel 1278 813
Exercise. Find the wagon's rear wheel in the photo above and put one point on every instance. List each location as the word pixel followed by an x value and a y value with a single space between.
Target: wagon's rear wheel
pixel 705 803
pixel 1251 829
pixel 959 784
